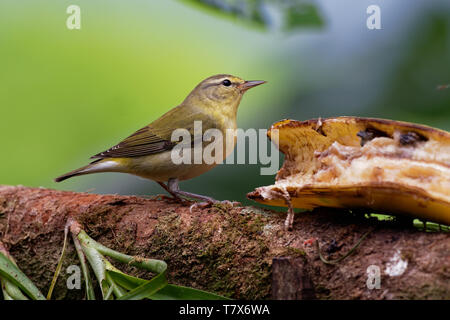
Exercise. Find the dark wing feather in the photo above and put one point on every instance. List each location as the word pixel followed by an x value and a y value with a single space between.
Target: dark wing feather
pixel 142 142
pixel 156 137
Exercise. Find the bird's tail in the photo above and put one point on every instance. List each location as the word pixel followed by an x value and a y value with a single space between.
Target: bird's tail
pixel 93 167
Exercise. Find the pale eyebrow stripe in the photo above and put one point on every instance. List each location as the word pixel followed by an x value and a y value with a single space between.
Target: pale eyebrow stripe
pixel 217 83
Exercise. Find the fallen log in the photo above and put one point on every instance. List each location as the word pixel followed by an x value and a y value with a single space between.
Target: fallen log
pixel 239 252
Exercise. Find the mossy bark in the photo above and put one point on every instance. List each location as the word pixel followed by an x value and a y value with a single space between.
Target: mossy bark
pixel 224 249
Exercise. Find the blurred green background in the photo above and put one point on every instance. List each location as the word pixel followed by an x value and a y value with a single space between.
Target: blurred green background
pixel 68 94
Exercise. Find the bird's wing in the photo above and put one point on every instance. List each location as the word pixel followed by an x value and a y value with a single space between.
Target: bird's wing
pixel 156 137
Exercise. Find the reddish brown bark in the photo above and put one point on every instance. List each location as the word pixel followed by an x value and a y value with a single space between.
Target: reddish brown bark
pixel 227 250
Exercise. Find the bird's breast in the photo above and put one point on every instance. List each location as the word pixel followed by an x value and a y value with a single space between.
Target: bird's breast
pixel 229 138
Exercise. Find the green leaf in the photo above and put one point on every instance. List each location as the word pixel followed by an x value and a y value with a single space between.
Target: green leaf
pixel 147 289
pixel 96 260
pixel 169 292
pixel 173 292
pixel 153 265
pixel 125 280
pixel 6 295
pixel 115 281
pixel 116 289
pixel 246 11
pixel 11 291
pixel 90 295
pixel 108 295
pixel 11 272
pixel 259 13
pixel 301 15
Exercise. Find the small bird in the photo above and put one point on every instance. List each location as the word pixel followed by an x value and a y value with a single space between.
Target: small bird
pixel 148 152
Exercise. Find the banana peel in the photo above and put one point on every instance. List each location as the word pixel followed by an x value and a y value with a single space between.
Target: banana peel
pixel 383 165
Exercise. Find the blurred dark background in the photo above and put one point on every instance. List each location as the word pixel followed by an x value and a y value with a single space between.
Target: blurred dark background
pixel 68 94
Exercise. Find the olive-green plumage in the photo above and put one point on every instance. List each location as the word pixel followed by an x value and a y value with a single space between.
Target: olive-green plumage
pixel 147 152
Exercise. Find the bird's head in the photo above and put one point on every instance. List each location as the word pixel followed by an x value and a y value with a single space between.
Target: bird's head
pixel 221 91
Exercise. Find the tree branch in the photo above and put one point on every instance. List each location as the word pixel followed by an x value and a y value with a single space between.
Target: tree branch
pixel 228 250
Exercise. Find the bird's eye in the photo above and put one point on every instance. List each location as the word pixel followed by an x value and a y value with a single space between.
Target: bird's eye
pixel 226 83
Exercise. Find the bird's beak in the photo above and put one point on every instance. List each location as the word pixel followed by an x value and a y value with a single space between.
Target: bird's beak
pixel 250 84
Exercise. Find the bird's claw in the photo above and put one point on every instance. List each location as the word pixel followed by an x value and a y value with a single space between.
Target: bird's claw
pixel 200 205
pixel 170 199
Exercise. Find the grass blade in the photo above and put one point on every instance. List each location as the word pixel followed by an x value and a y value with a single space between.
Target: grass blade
pixel 173 292
pixel 59 265
pixel 97 263
pixel 125 280
pixel 153 265
pixel 6 296
pixel 9 271
pixel 90 295
pixel 117 290
pixel 147 289
pixel 12 291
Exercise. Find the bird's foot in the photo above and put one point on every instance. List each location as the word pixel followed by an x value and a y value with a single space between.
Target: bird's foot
pixel 171 199
pixel 204 201
pixel 200 205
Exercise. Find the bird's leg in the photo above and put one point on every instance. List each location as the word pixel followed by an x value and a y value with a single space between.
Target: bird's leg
pixel 174 190
pixel 162 184
pixel 174 195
